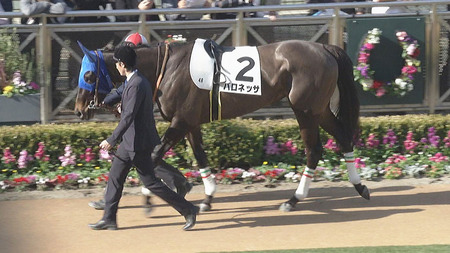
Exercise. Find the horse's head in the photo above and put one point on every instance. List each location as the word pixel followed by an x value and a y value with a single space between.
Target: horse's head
pixel 94 83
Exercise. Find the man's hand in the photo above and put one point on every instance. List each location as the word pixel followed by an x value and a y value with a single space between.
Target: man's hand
pixel 105 145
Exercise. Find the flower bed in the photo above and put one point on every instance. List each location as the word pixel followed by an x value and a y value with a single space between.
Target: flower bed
pixel 380 155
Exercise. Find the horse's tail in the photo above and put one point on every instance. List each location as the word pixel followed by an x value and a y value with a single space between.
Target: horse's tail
pixel 348 111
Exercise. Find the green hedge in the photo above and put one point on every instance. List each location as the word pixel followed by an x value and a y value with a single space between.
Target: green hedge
pixel 227 143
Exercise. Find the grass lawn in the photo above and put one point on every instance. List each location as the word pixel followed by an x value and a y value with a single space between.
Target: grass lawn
pixel 384 249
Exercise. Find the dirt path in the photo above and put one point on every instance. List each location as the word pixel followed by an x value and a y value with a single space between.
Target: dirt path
pixel 401 212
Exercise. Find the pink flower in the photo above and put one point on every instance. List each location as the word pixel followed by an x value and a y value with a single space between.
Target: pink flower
pixel 331 145
pixel 23 160
pixel 380 92
pixel 372 142
pixel 34 85
pixel 363 57
pixel 409 143
pixel 439 157
pixel 8 157
pixel 369 46
pixel 40 152
pixel 67 158
pixel 290 147
pixel 396 158
pixel 359 163
pixel 169 154
pixel 409 69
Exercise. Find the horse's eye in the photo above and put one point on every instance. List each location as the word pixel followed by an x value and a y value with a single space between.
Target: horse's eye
pixel 89 77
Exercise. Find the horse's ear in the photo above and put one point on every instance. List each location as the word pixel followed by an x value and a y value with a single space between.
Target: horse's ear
pixel 88 53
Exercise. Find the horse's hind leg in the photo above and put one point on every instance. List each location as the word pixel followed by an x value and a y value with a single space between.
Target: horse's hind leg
pixel 309 130
pixel 195 139
pixel 333 126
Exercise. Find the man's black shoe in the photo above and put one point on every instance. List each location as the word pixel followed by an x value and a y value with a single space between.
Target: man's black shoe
pixel 98 205
pixel 102 224
pixel 191 218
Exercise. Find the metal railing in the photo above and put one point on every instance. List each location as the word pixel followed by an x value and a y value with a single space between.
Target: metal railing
pixel 233 32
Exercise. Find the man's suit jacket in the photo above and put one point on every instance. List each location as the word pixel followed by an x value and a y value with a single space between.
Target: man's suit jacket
pixel 136 127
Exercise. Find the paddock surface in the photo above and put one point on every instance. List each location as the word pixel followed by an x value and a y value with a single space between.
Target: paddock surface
pixel 400 212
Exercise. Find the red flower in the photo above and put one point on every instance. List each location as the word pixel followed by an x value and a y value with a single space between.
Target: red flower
pixel 377 84
pixel 61 179
pixel 416 53
pixel 21 179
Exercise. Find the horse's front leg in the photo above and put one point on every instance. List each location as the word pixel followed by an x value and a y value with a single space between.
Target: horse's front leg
pixel 195 139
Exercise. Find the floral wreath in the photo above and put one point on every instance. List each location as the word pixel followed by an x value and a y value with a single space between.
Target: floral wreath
pixel 401 84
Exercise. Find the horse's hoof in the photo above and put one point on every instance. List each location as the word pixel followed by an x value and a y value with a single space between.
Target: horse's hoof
pixel 363 191
pixel 204 207
pixel 286 207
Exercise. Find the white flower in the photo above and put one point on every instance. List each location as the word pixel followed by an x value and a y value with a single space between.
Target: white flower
pixel 366 83
pixel 247 174
pixel 290 175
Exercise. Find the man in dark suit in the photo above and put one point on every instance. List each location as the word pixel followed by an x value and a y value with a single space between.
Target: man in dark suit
pixel 171 176
pixel 138 132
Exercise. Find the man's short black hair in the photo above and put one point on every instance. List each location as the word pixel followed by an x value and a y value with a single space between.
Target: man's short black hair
pixel 125 54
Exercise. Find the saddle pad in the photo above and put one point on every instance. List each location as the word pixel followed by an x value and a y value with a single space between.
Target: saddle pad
pixel 240 69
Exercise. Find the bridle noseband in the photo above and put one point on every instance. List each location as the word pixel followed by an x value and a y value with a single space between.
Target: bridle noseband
pixel 93 104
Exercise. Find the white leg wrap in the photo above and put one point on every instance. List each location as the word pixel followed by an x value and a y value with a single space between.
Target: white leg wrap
pixel 146 192
pixel 209 181
pixel 303 187
pixel 353 175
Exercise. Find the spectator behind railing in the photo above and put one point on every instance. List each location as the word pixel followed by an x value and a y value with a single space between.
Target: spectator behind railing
pixel 127 5
pixel 83 5
pixel 388 10
pixel 272 15
pixel 350 11
pixel 185 4
pixel 147 5
pixel 33 7
pixel 5 6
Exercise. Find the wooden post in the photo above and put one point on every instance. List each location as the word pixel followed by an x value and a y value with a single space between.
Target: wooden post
pixel 143 27
pixel 44 67
pixel 336 30
pixel 239 33
pixel 432 50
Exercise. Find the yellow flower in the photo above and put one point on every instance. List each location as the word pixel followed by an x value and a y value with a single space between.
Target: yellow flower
pixel 292 167
pixel 60 167
pixel 96 167
pixel 79 164
pixel 14 171
pixel 265 163
pixel 276 166
pixel 38 171
pixel 8 89
pixel 4 170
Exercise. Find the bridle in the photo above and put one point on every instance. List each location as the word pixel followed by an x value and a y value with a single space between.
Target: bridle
pixel 93 104
pixel 161 72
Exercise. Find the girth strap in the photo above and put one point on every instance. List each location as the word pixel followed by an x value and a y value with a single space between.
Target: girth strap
pixel 215 107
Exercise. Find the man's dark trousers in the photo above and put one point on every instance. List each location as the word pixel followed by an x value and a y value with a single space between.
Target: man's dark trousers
pixel 120 167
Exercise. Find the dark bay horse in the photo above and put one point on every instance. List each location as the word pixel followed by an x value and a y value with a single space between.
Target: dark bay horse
pixel 308 74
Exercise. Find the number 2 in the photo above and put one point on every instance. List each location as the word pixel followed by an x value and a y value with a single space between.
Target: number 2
pixel 241 75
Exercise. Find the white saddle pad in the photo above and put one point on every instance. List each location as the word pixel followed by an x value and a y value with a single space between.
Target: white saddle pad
pixel 240 71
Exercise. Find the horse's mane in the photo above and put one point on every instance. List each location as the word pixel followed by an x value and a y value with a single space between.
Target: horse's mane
pixel 111 48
